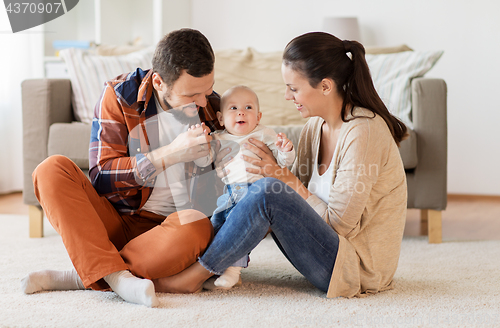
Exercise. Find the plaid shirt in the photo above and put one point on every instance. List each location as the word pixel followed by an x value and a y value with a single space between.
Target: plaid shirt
pixel 124 129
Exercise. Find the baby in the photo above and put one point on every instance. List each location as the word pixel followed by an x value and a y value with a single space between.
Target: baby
pixel 240 116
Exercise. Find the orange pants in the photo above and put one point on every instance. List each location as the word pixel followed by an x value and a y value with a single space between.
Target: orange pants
pixel 100 241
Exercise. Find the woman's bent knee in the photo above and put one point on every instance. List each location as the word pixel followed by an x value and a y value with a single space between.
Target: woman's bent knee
pixel 266 187
pixel 270 185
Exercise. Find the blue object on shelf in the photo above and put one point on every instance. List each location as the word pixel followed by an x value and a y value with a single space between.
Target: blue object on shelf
pixel 63 44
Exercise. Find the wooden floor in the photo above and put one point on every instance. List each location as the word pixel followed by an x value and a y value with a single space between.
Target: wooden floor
pixel 466 217
pixel 12 204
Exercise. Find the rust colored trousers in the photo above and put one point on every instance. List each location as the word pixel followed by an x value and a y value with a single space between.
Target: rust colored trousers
pixel 100 241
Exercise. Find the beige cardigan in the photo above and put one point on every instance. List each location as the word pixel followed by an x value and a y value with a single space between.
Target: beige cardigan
pixel 367 202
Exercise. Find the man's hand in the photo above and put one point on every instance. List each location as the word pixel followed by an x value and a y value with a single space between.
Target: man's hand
pixel 186 147
pixel 190 145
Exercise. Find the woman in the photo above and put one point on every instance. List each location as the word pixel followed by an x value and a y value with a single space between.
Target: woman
pixel 339 217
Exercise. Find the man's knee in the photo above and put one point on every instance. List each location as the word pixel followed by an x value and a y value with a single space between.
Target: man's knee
pixel 53 171
pixel 203 232
pixel 51 165
pixel 189 216
pixel 170 248
pixel 195 226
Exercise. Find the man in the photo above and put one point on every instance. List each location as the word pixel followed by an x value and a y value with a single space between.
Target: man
pixel 135 221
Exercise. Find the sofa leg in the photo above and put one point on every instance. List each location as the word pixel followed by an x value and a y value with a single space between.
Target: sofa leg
pixel 431 225
pixel 36 221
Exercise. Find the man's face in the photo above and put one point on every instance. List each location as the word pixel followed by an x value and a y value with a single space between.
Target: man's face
pixel 185 97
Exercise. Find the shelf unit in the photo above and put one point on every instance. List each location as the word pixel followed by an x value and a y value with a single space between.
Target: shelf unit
pixel 116 22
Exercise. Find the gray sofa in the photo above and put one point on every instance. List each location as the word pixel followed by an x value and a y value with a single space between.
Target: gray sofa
pixel 49 127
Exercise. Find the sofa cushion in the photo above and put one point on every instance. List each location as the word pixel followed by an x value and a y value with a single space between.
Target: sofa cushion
pixel 89 72
pixel 392 75
pixel 71 140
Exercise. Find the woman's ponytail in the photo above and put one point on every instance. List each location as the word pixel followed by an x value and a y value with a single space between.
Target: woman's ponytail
pixel 361 92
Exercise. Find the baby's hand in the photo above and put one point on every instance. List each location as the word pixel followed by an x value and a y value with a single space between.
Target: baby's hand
pixel 283 143
pixel 206 129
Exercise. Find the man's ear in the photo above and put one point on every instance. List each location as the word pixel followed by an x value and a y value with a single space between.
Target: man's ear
pixel 219 117
pixel 157 82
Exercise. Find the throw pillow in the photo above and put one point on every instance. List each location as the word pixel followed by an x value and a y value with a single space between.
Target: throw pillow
pixel 89 72
pixel 392 75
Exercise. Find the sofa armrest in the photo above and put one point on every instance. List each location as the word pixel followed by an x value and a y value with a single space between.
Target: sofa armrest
pixel 427 187
pixel 44 102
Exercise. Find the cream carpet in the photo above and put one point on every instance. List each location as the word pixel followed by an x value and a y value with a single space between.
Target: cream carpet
pixel 454 284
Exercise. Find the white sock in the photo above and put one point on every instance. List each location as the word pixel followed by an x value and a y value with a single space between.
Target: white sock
pixel 51 280
pixel 132 289
pixel 229 278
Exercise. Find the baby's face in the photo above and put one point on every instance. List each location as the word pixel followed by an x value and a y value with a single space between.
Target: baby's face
pixel 240 112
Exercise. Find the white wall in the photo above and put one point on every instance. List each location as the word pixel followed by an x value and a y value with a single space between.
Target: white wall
pixel 21 58
pixel 467 31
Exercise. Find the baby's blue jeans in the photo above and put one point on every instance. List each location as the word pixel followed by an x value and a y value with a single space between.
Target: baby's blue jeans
pixel 307 241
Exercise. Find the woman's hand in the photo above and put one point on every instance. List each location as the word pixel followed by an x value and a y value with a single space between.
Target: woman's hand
pixel 265 163
pixel 268 167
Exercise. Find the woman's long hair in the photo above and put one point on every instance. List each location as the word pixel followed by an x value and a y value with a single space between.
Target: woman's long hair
pixel 319 55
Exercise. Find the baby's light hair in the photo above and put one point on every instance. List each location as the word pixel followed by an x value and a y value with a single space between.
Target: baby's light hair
pixel 228 92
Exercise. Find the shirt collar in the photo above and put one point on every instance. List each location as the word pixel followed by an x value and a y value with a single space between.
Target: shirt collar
pixel 146 89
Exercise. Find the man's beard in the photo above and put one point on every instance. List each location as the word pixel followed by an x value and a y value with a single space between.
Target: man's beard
pixel 179 114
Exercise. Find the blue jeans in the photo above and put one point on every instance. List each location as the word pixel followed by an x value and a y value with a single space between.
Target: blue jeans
pixel 307 241
pixel 233 193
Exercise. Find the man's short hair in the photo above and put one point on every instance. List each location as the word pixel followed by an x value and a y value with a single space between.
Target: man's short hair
pixel 184 49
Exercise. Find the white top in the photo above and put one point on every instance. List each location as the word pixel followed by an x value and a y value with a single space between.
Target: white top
pixel 170 191
pixel 320 185
pixel 237 167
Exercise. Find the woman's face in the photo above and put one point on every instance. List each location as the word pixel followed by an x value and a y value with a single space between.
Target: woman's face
pixel 308 100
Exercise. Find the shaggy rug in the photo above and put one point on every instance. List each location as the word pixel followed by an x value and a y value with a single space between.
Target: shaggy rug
pixel 454 284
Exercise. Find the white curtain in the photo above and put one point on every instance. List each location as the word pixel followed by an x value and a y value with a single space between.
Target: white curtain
pixel 21 57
